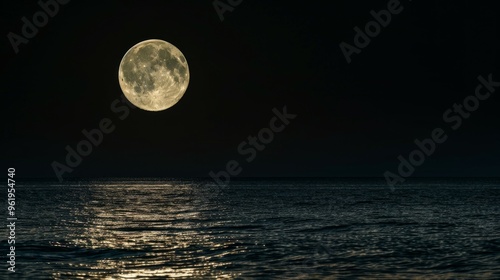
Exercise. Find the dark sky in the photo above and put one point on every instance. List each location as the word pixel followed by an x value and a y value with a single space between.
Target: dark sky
pixel 352 119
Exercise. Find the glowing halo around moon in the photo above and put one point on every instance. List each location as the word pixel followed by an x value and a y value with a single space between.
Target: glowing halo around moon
pixel 153 75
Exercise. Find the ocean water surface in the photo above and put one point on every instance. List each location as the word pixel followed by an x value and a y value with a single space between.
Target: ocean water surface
pixel 257 229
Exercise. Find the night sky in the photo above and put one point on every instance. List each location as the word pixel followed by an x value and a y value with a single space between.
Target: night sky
pixel 353 119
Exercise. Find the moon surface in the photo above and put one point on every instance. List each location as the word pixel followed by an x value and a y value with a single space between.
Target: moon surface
pixel 153 75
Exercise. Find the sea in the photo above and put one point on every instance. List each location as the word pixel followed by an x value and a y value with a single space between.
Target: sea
pixel 264 228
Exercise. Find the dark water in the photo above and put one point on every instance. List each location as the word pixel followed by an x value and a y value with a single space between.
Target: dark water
pixel 301 229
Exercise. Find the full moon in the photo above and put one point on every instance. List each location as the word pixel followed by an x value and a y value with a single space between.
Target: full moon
pixel 153 75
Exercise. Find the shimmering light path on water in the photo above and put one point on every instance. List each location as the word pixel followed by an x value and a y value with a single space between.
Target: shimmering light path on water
pixel 259 228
